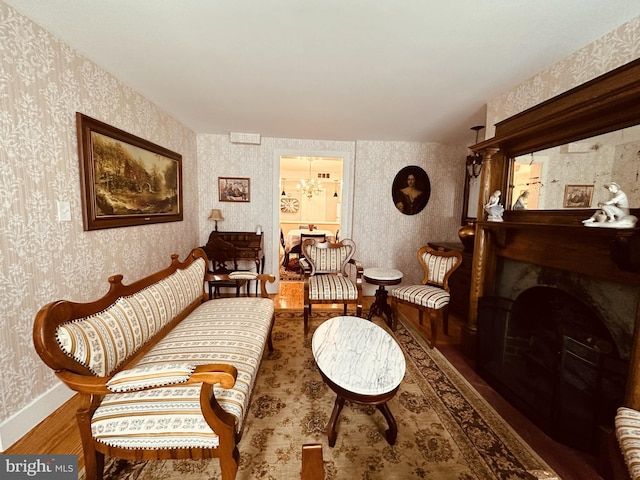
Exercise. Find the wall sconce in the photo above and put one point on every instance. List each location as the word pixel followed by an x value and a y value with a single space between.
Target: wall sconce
pixel 474 161
pixel 284 194
pixel 216 215
pixel 335 189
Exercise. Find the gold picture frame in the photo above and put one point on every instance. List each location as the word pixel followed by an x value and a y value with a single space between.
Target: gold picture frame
pixel 125 179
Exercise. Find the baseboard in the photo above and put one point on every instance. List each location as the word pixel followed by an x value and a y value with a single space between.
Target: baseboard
pixel 19 424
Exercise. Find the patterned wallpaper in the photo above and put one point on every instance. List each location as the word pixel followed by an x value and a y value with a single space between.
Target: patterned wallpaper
pixel 610 51
pixel 42 84
pixel 387 238
pixel 384 237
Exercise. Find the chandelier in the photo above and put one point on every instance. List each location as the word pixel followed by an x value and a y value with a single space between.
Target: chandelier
pixel 309 186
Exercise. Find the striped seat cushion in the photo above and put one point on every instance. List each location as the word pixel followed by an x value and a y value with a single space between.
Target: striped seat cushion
pixel 424 295
pixel 230 330
pixel 627 423
pixel 332 287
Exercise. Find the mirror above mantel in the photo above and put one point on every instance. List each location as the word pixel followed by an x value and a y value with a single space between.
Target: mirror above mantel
pixel 578 141
pixel 574 175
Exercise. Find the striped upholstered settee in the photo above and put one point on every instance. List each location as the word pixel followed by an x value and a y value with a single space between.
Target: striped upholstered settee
pixel 162 372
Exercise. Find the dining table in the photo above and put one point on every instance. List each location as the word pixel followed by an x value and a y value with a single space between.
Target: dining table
pixel 293 237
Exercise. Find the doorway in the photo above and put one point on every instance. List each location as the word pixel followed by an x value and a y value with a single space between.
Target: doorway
pixel 310 202
pixel 327 207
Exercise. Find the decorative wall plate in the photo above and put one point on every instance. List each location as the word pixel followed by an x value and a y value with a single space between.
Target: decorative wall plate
pixel 289 205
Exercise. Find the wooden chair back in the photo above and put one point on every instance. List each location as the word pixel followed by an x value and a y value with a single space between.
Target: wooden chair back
pixel 223 255
pixel 327 257
pixel 438 265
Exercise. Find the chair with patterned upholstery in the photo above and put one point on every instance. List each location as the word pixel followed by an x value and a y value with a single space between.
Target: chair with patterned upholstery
pixel 432 295
pixel 326 275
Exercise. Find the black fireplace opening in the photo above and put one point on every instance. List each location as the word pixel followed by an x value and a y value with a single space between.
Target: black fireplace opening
pixel 551 356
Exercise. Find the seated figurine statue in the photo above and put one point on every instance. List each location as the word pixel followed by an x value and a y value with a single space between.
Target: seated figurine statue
pixel 614 213
pixel 494 208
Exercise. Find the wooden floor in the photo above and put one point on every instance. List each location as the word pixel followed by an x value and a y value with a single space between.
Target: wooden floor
pixel 58 433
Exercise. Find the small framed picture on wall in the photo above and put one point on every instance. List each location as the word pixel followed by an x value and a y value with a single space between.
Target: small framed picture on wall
pixel 233 189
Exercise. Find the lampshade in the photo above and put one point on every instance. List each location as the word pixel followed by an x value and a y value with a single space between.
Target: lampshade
pixel 216 214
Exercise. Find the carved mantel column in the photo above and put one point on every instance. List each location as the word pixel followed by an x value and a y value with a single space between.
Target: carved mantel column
pixel 489 182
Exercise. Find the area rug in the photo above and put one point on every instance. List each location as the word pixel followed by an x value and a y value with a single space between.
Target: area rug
pixel 445 429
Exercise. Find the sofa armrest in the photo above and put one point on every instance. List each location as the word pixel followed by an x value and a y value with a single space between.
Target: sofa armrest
pixel 147 377
pixel 223 374
pixel 263 278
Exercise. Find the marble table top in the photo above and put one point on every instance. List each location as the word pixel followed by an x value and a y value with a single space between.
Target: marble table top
pixel 381 273
pixel 358 355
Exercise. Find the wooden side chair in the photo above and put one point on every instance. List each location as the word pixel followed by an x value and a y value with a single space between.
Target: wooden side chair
pixel 326 279
pixel 224 260
pixel 432 295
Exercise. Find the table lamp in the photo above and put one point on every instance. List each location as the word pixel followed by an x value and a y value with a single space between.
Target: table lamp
pixel 216 215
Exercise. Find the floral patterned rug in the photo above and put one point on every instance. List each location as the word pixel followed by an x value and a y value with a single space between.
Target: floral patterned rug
pixel 445 429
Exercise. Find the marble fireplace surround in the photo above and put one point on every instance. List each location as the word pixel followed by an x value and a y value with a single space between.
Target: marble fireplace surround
pixel 614 303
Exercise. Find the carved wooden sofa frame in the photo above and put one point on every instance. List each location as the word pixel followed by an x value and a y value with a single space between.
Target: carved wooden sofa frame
pixel 181 287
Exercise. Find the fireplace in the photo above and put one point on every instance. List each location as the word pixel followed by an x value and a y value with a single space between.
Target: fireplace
pixel 556 344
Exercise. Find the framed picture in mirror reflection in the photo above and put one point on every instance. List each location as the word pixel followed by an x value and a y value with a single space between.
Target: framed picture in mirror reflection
pixel 578 196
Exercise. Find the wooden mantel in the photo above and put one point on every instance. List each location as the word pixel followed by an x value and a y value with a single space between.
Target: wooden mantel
pixel 557 238
pixel 613 254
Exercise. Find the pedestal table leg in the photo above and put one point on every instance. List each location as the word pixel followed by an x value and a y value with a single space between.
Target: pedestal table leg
pixel 331 427
pixel 392 433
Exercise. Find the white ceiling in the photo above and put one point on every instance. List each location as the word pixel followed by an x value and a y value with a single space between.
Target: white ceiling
pixel 406 70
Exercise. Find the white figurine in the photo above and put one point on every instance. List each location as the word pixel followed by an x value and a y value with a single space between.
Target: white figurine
pixel 494 208
pixel 521 202
pixel 614 213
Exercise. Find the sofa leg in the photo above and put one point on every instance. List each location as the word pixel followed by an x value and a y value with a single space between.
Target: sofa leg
pixel 229 465
pixel 269 336
pixel 93 459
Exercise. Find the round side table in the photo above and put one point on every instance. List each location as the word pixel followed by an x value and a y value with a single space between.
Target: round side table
pixel 382 277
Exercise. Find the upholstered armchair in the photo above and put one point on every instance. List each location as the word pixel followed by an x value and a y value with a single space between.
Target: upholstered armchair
pixel 432 295
pixel 326 275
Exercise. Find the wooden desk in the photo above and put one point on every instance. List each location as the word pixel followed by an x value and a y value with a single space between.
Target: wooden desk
pixel 248 245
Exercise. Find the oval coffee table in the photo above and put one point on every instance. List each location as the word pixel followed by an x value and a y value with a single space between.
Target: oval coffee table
pixel 360 362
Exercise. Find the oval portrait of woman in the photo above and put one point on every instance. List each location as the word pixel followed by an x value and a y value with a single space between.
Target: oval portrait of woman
pixel 411 190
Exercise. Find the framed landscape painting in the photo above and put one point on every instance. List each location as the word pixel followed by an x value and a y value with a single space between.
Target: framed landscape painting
pixel 126 180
